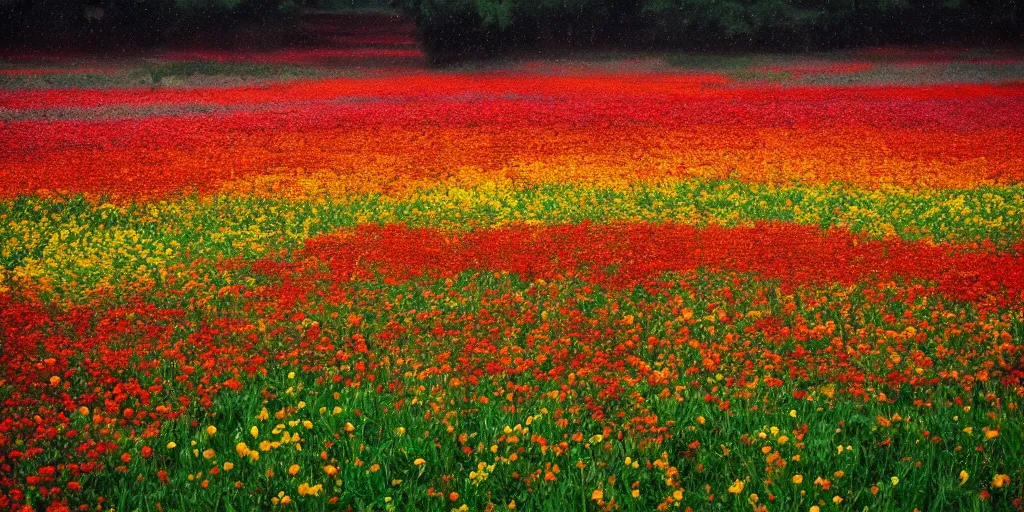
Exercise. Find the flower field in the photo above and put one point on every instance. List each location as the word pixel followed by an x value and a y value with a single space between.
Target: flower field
pixel 538 287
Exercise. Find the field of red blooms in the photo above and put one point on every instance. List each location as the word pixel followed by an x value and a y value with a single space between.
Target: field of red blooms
pixel 330 278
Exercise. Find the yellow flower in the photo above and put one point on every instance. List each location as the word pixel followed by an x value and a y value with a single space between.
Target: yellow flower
pixel 895 480
pixel 172 445
pixel 798 479
pixel 636 493
pixel 736 487
pixel 1000 480
pixel 308 490
pixel 837 500
pixel 254 432
pixel 419 462
pixel 792 413
pixel 814 508
pixel 211 430
pixel 963 477
pixel 330 470
pixel 242 449
pixel 349 427
pixel 209 453
pixel 293 469
pixel 400 431
pixel 597 495
pixel 263 415
pixel 701 420
pixel 228 466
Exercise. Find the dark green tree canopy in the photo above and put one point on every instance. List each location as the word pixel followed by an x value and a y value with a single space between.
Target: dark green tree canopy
pixel 493 26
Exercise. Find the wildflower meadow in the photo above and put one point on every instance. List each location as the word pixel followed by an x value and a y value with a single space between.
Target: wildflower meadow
pixel 621 284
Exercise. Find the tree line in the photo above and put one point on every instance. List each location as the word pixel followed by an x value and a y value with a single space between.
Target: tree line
pixel 131 23
pixel 453 29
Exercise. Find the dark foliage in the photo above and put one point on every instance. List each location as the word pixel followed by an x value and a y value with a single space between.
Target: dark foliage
pixel 78 24
pixel 454 29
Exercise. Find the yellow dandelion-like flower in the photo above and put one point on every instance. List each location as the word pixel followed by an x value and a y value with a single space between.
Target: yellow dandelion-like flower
pixel 1000 480
pixel 736 487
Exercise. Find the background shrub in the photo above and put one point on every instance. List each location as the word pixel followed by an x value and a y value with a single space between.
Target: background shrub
pixel 128 23
pixel 453 29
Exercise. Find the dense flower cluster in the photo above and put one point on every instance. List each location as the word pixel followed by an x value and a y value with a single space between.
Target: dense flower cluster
pixel 497 291
pixel 399 134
